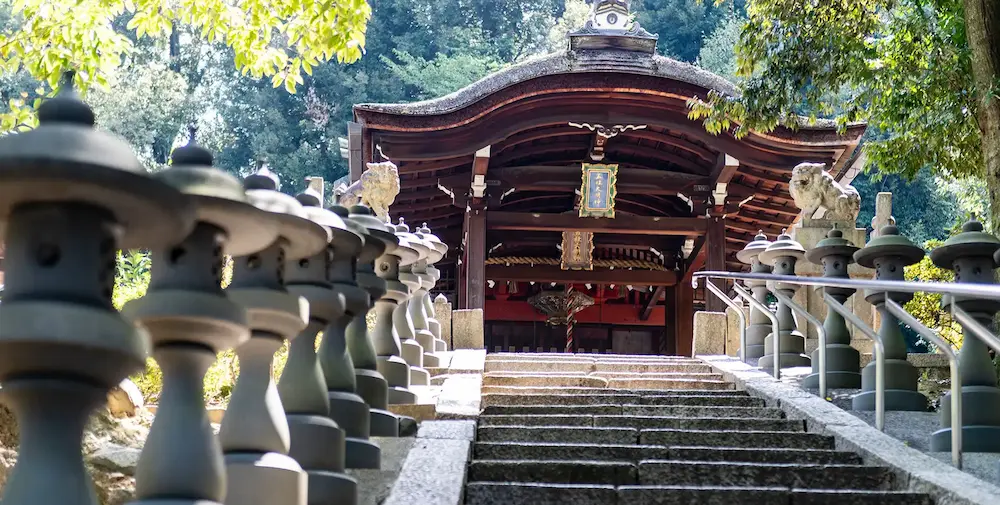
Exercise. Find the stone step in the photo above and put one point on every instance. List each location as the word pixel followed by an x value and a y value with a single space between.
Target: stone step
pixel 646 383
pixel 645 422
pixel 544 380
pixel 739 439
pixel 558 399
pixel 541 356
pixel 633 367
pixel 745 495
pixel 608 391
pixel 697 411
pixel 493 493
pixel 715 473
pixel 658 375
pixel 572 435
pixel 636 453
pixel 761 455
pixel 703 400
pixel 555 451
pixel 557 410
pixel 598 367
pixel 699 423
pixel 582 420
pixel 615 473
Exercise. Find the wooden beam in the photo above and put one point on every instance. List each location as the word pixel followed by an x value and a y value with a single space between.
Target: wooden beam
pixel 759 204
pixel 632 225
pixel 647 308
pixel 724 171
pixel 546 273
pixel 568 179
pixel 530 238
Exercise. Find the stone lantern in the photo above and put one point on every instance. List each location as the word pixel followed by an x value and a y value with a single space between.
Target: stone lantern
pixel 347 408
pixel 760 325
pixel 255 433
pixel 888 254
pixel 190 319
pixel 434 275
pixel 70 198
pixel 402 318
pixel 387 345
pixel 417 307
pixel 782 254
pixel 317 432
pixel 843 362
pixel 970 255
pixel 370 385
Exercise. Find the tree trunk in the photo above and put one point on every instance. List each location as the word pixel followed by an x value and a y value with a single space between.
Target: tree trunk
pixel 982 25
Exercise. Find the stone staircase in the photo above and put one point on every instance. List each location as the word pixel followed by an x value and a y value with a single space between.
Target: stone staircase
pixel 585 429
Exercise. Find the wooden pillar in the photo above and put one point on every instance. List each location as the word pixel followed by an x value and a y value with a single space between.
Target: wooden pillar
pixel 683 318
pixel 355 160
pixel 668 345
pixel 715 247
pixel 476 258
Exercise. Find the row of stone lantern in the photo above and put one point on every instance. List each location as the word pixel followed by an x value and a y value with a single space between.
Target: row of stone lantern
pixel 972 255
pixel 71 197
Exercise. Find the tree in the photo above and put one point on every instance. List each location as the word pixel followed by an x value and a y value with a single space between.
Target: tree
pixel 923 74
pixel 681 24
pixel 717 52
pixel 926 208
pixel 273 38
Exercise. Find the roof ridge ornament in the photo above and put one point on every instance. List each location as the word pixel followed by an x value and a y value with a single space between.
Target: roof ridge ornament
pixel 611 25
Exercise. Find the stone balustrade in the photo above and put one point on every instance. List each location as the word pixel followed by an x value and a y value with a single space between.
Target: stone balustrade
pixel 72 196
pixel 973 255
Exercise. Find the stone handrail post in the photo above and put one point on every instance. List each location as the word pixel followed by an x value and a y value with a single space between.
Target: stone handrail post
pixel 190 319
pixel 71 197
pixel 255 433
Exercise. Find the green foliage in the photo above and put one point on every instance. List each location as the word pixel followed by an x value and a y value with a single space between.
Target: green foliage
pixel 131 280
pixel 717 54
pixel 916 219
pixel 267 38
pixel 441 75
pixel 926 307
pixel 905 63
pixel 681 24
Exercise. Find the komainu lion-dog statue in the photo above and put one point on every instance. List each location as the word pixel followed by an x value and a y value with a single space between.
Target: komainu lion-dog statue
pixel 812 187
pixel 377 189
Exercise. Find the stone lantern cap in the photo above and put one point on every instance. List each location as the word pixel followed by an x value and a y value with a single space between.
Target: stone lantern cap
pixel 421 247
pixel 379 240
pixel 406 251
pixel 219 199
pixel 833 245
pixel 65 159
pixel 438 248
pixel 972 242
pixel 888 243
pixel 784 246
pixel 753 248
pixel 341 233
pixel 305 237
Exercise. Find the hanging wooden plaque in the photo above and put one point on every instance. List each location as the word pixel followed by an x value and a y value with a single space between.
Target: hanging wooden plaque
pixel 599 190
pixel 577 250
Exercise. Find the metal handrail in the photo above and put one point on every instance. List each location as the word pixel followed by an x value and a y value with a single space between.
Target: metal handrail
pixel 968 322
pixel 775 327
pixel 990 291
pixel 820 333
pixel 956 378
pixel 739 312
pixel 879 356
pixel 889 287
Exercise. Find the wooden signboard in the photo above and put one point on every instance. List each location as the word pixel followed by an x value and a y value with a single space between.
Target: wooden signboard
pixel 599 190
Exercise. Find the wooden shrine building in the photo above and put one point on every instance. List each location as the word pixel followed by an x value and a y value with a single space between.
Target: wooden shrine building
pixel 496 169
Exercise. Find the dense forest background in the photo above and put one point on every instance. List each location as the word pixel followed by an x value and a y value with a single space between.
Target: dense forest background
pixel 416 49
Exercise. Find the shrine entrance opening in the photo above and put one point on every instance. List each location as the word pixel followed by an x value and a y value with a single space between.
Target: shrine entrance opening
pixel 579 195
